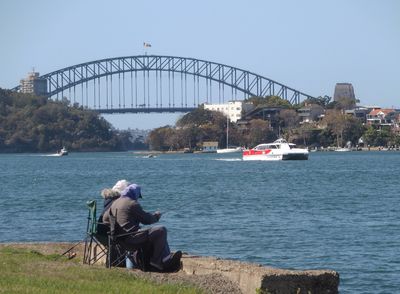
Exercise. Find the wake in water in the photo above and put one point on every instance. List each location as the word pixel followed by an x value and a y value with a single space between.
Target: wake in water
pixel 229 159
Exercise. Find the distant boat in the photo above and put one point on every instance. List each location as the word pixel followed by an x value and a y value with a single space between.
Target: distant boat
pixel 62 152
pixel 344 149
pixel 227 149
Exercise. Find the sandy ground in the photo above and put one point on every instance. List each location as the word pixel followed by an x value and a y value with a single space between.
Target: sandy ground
pixel 209 283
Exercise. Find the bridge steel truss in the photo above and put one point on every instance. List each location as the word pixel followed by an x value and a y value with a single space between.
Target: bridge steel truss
pixel 240 80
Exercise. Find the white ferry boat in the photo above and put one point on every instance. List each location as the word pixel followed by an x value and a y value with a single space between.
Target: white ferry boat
pixel 278 150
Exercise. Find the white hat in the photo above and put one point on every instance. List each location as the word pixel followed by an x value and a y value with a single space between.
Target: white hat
pixel 121 185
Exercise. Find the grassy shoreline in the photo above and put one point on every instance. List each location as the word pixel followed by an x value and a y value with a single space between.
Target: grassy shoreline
pixel 40 268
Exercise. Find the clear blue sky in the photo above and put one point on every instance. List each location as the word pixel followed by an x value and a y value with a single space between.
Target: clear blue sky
pixel 309 45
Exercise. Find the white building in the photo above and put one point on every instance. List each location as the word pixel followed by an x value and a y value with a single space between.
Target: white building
pixel 33 84
pixel 232 109
pixel 210 147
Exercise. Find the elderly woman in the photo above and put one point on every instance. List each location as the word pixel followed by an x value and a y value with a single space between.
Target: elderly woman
pixel 109 196
pixel 129 215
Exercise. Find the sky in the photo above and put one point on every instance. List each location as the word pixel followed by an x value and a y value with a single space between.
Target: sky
pixel 309 45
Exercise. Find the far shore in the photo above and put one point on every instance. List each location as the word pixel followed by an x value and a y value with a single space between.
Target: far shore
pixel 156 152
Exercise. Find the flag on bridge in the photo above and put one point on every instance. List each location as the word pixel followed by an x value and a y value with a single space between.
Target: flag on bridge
pixel 146 45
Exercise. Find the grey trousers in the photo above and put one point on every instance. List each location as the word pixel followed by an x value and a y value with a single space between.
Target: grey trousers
pixel 158 239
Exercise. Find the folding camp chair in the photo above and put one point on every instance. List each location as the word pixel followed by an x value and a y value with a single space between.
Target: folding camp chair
pixel 118 247
pixel 95 244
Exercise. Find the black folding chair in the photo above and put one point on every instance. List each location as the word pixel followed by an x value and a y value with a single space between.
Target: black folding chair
pixel 95 243
pixel 118 245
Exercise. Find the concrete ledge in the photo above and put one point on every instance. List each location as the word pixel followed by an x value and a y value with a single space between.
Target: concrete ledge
pixel 253 278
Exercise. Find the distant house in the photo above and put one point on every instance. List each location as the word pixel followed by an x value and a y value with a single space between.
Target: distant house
pixel 210 147
pixel 396 127
pixel 311 113
pixel 381 117
pixel 267 113
pixel 359 112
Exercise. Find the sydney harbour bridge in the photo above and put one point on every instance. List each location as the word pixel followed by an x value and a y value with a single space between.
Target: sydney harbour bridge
pixel 152 83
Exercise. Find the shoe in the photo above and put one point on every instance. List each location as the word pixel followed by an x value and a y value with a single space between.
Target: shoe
pixel 174 263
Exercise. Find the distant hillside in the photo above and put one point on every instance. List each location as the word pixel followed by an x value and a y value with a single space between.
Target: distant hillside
pixel 37 124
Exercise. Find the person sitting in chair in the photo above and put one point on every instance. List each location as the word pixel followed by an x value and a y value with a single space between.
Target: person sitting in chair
pixel 109 196
pixel 129 215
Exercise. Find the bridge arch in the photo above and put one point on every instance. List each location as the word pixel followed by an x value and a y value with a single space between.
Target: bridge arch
pixel 246 82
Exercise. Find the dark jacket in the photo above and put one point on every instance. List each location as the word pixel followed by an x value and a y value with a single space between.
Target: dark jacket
pixel 129 214
pixel 102 228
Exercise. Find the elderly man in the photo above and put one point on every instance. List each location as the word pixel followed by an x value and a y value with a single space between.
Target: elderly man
pixel 129 215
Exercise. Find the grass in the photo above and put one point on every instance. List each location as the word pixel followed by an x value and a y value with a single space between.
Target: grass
pixel 27 271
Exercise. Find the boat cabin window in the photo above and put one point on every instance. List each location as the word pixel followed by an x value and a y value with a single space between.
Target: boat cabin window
pixel 265 147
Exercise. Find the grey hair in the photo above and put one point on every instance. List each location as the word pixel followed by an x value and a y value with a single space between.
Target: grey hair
pixel 109 193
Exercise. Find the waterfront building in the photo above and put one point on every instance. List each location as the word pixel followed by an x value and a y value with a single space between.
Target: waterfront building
pixel 382 117
pixel 210 147
pixel 344 90
pixel 359 112
pixel 33 84
pixel 232 109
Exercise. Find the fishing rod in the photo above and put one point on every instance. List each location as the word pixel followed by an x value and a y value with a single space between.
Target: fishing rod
pixel 174 209
pixel 73 254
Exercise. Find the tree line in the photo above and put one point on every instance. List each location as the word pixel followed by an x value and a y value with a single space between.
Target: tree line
pixel 29 123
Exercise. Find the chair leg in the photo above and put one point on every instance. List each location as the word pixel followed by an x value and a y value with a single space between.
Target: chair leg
pixel 87 250
pixel 84 251
pixel 108 261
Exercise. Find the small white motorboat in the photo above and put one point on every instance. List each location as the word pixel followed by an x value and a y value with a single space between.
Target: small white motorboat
pixel 62 152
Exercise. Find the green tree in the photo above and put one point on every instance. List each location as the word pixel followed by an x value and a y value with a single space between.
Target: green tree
pixel 321 101
pixel 335 120
pixel 201 116
pixel 370 135
pixel 260 132
pixel 289 119
pixel 384 137
pixel 270 101
pixel 30 123
pixel 354 130
pixel 160 139
pixel 305 132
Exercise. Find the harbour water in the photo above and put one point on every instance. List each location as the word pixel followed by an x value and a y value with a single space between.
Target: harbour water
pixel 336 211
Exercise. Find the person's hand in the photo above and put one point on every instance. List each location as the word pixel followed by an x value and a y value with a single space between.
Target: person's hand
pixel 158 214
